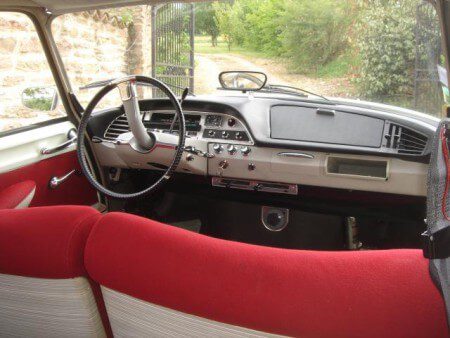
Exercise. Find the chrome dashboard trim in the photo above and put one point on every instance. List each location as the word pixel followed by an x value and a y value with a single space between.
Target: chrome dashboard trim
pixel 295 154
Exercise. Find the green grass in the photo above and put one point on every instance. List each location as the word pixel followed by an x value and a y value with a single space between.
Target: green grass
pixel 340 67
pixel 203 46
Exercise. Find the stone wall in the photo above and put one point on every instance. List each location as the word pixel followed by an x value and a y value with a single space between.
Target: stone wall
pixel 93 46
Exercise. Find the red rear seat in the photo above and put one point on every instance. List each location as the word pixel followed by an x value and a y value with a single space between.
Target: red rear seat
pixel 297 293
pixel 44 289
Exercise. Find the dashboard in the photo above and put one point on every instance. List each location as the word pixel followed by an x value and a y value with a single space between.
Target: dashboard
pixel 278 145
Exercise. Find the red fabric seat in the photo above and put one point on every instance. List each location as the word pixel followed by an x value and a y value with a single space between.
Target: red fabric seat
pixel 289 292
pixel 46 242
pixel 44 287
pixel 17 196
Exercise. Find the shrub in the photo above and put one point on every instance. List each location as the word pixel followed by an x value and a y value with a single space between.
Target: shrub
pixel 386 40
pixel 263 27
pixel 315 32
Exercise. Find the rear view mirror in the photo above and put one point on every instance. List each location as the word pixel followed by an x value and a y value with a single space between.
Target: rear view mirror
pixel 40 98
pixel 243 81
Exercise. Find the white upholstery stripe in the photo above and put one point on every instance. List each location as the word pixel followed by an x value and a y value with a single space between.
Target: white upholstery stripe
pixel 26 201
pixel 131 317
pixel 36 307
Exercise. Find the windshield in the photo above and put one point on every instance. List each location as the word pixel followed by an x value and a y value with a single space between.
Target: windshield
pixel 383 51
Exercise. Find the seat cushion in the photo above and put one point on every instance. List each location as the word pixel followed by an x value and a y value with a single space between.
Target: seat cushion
pixel 17 196
pixel 287 292
pixel 46 242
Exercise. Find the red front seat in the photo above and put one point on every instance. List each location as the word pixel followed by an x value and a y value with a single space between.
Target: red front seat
pixel 44 291
pixel 160 280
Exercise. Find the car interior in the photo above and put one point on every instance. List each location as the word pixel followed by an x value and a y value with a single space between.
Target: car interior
pixel 259 211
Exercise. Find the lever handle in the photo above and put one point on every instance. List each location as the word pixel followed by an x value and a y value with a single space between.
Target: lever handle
pixel 72 138
pixel 56 181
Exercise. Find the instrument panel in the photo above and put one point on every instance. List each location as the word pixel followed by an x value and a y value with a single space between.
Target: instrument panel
pixel 250 146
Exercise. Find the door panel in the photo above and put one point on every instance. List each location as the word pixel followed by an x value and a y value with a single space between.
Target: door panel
pixel 21 160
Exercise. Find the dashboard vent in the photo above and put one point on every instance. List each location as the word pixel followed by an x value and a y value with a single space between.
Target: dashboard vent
pixel 116 128
pixel 405 140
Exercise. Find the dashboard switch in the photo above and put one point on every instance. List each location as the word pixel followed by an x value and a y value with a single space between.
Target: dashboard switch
pixel 239 135
pixel 251 167
pixel 232 149
pixel 218 148
pixel 225 134
pixel 245 150
pixel 211 133
pixel 231 122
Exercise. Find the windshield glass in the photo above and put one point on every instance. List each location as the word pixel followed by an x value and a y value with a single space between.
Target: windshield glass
pixel 383 51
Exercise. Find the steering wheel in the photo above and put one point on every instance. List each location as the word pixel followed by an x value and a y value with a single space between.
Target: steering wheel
pixel 139 139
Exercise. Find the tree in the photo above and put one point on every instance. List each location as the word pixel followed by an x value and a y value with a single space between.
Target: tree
pixel 230 20
pixel 206 22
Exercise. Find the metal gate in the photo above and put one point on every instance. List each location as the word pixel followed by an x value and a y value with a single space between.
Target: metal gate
pixel 173 45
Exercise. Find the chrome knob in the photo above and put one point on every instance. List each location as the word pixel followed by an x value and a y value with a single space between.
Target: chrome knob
pixel 232 149
pixel 218 148
pixel 211 133
pixel 245 151
pixel 225 134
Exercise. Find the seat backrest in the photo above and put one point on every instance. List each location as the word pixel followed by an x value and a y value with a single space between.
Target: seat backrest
pixel 161 280
pixel 44 291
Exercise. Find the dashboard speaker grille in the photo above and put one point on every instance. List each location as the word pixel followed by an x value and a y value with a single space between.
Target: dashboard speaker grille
pixel 405 140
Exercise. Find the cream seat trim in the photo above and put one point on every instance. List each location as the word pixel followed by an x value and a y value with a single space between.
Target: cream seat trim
pixel 37 307
pixel 131 317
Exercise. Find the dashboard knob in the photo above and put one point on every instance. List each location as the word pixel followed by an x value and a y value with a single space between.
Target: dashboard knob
pixel 239 135
pixel 218 148
pixel 232 149
pixel 211 133
pixel 245 150
pixel 231 122
pixel 225 134
pixel 223 164
pixel 251 167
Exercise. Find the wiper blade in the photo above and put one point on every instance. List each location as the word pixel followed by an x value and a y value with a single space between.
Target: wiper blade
pixel 282 89
pixel 103 83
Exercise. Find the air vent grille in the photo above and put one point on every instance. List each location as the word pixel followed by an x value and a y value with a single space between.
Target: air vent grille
pixel 116 128
pixel 405 141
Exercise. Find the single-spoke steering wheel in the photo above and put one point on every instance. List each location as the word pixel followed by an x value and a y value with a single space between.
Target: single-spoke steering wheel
pixel 139 139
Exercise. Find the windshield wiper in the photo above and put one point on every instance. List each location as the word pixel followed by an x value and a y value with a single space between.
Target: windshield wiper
pixel 282 89
pixel 103 83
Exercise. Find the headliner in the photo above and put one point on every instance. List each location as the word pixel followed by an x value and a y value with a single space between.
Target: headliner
pixel 64 6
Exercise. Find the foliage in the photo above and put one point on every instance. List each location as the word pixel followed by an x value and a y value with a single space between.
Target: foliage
pixel 309 33
pixel 205 21
pixel 387 40
pixel 315 32
pixel 230 20
pixel 263 28
pixel 39 98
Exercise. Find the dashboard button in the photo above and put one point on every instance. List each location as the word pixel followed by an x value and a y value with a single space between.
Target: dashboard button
pixel 231 122
pixel 245 150
pixel 225 134
pixel 211 133
pixel 218 148
pixel 232 149
pixel 251 167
